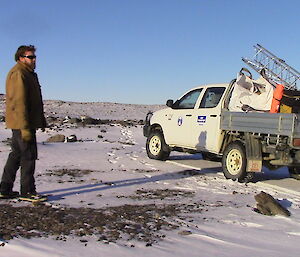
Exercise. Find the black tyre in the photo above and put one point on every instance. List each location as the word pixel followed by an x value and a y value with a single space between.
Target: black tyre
pixel 156 147
pixel 234 162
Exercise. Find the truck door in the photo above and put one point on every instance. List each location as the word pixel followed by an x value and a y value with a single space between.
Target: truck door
pixel 205 126
pixel 179 119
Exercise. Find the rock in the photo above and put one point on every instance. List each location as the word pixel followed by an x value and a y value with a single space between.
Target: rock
pixel 7 237
pixel 67 118
pixel 50 119
pixel 74 120
pixel 267 205
pixel 56 138
pixel 88 120
pixel 72 138
pixel 184 233
pixel 105 121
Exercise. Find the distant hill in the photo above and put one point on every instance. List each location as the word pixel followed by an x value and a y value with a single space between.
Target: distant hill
pixel 100 110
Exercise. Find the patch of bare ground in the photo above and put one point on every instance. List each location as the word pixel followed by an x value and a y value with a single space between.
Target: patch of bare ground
pixel 144 223
pixel 69 172
pixel 142 194
pixel 73 175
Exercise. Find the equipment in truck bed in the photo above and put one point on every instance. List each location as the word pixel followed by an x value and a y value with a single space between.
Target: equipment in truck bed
pixel 275 69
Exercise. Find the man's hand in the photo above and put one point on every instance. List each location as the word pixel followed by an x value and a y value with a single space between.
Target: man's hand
pixel 26 135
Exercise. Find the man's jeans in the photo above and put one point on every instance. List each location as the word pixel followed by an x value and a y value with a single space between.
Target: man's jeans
pixel 23 154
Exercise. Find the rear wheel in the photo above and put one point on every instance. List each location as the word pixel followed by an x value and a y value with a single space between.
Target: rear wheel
pixel 156 147
pixel 234 162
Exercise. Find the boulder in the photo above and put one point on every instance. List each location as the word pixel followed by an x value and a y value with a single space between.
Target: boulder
pixel 88 120
pixel 56 138
pixel 72 138
pixel 267 205
pixel 74 120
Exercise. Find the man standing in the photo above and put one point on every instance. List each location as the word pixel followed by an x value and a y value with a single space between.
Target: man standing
pixel 24 114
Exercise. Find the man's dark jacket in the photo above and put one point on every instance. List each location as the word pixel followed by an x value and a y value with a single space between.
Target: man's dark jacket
pixel 24 104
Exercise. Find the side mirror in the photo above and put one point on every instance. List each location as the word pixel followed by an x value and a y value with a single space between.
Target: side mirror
pixel 170 103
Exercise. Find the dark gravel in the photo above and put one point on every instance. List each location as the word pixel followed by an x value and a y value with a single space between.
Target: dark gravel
pixel 145 223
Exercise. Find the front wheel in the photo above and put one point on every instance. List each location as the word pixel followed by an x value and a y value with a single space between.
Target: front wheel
pixel 156 147
pixel 234 161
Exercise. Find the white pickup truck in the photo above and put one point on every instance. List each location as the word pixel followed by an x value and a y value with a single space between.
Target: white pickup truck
pixel 200 121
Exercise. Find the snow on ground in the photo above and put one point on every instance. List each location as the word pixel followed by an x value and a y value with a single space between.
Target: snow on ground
pixel 225 225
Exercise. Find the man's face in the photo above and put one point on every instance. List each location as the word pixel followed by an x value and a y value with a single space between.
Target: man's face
pixel 29 58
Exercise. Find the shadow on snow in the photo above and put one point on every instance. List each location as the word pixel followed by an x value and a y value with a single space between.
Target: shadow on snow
pixel 60 193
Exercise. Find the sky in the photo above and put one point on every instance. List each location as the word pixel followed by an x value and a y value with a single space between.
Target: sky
pixel 143 51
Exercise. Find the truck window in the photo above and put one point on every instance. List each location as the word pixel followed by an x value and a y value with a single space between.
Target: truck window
pixel 212 97
pixel 188 101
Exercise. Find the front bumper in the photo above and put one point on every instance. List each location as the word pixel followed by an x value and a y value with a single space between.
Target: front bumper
pixel 147 126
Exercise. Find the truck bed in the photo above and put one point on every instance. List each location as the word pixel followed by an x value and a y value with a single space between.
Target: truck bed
pixel 286 124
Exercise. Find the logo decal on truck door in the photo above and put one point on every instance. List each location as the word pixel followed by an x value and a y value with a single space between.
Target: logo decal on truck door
pixel 180 121
pixel 201 119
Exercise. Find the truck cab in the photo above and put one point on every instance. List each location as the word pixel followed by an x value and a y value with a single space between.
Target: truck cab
pixel 192 123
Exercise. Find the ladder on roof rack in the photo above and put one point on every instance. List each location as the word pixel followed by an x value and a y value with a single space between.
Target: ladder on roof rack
pixel 275 69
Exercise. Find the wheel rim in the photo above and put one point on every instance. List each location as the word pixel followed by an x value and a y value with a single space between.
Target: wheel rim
pixel 155 145
pixel 234 162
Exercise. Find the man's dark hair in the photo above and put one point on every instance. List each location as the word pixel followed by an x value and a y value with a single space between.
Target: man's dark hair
pixel 22 49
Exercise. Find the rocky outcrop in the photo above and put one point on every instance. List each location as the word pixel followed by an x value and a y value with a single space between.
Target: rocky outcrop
pixel 267 205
